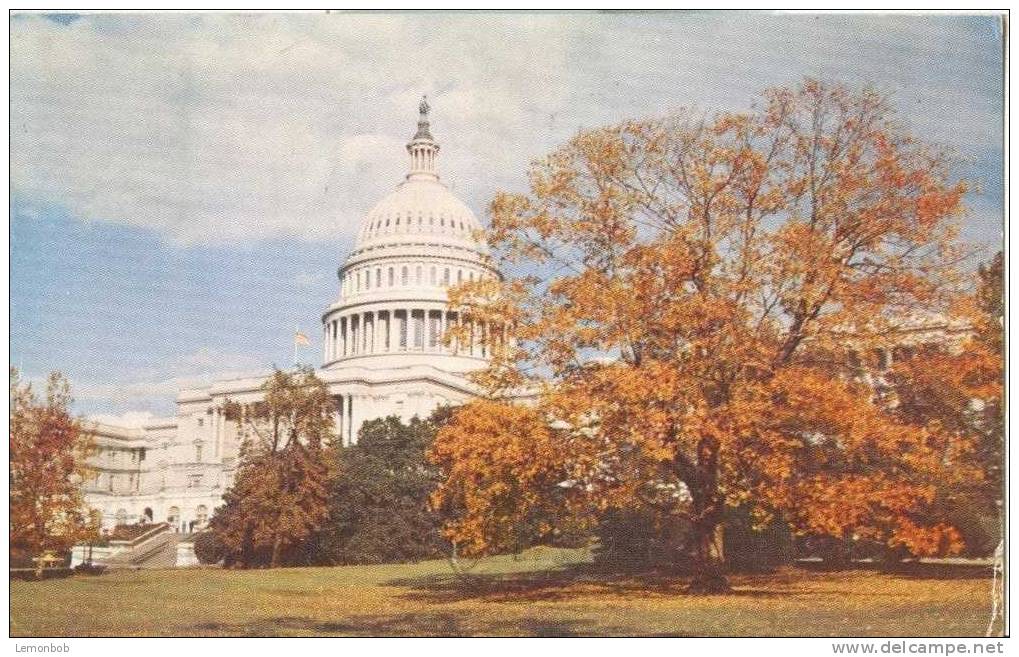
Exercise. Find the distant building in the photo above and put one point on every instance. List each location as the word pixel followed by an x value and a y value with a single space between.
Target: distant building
pixel 383 356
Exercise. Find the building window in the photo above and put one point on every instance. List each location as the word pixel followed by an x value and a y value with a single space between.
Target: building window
pixel 378 277
pixel 194 480
pixel 402 324
pixel 459 276
pixel 419 274
pixel 404 277
pixel 198 453
pixel 201 514
pixel 141 451
pixel 358 282
pixel 445 277
pixel 109 483
pixel 431 276
pixel 391 281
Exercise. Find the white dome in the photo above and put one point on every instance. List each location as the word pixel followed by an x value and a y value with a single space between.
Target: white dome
pixel 393 309
pixel 420 210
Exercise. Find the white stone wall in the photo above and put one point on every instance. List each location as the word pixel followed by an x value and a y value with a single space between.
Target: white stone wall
pixel 189 461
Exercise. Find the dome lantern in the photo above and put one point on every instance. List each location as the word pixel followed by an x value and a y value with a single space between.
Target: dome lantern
pixel 423 147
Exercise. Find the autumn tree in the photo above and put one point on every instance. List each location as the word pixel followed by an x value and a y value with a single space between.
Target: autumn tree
pixel 686 299
pixel 48 452
pixel 956 383
pixel 280 492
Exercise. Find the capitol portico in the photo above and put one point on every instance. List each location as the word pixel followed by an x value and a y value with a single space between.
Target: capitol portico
pixel 384 354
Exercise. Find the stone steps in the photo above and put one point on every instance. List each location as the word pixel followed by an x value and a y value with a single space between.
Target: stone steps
pixel 160 552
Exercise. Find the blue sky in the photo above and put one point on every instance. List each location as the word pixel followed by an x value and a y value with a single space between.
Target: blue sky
pixel 184 186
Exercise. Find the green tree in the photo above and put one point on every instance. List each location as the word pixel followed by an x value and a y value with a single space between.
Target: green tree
pixel 48 453
pixel 378 508
pixel 280 493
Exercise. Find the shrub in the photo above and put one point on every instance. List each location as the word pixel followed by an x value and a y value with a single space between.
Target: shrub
pixel 208 549
pixel 755 549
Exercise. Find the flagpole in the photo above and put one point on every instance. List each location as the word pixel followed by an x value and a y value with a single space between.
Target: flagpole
pixel 297 329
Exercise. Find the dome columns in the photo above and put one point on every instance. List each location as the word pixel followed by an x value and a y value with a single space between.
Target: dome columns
pixel 418 327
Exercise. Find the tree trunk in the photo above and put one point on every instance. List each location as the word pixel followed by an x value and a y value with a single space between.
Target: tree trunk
pixel 710 575
pixel 708 507
pixel 276 545
pixel 247 555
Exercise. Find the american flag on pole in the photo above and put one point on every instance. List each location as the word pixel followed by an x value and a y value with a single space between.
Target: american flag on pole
pixel 300 339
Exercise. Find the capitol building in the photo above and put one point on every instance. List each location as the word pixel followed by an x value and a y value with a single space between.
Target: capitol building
pixel 384 354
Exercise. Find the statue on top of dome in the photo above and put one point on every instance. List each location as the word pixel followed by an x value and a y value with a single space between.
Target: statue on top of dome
pixel 424 130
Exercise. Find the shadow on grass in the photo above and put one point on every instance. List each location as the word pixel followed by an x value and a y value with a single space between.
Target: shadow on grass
pixel 439 624
pixel 560 584
pixel 570 582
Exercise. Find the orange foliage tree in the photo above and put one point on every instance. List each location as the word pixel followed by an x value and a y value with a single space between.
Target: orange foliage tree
pixel 687 297
pixel 958 388
pixel 280 492
pixel 47 465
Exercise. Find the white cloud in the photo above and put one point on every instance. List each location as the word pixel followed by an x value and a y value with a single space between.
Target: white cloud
pixel 218 127
pixel 161 384
pixel 129 419
pixel 304 279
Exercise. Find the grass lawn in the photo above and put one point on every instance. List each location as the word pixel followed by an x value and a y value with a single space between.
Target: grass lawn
pixel 545 592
